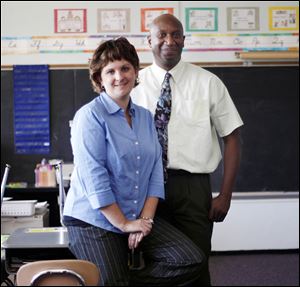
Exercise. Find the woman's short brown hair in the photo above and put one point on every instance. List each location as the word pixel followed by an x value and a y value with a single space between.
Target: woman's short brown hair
pixel 109 51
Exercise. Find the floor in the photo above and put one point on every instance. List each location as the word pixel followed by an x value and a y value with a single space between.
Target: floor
pixel 279 268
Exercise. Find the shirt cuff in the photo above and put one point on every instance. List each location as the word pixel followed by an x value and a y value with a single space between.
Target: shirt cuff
pixel 155 190
pixel 102 199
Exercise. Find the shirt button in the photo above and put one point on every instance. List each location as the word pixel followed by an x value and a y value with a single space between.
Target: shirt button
pixel 137 172
pixel 138 157
pixel 135 201
pixel 136 187
pixel 134 215
pixel 136 143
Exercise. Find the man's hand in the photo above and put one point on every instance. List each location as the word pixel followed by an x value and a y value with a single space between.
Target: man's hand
pixel 219 208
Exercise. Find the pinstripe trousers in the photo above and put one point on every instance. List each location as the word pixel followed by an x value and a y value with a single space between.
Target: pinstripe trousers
pixel 171 258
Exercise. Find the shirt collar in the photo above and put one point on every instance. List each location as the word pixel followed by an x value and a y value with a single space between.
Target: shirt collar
pixel 131 108
pixel 112 107
pixel 160 73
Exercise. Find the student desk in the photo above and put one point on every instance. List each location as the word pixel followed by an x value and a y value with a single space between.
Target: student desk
pixel 33 244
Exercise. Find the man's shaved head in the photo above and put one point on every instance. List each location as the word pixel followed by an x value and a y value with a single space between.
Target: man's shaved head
pixel 166 18
pixel 166 40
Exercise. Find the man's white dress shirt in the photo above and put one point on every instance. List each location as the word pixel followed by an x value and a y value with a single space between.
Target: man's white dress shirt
pixel 201 108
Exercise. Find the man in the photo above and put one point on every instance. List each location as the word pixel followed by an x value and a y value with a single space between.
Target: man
pixel 192 108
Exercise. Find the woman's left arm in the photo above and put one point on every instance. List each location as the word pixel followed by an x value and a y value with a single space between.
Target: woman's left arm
pixel 149 208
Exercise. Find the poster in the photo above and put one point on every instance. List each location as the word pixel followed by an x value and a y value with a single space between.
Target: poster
pixel 283 18
pixel 70 21
pixel 243 18
pixel 201 19
pixel 113 20
pixel 149 14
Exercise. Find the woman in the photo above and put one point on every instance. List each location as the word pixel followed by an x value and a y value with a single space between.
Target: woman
pixel 118 180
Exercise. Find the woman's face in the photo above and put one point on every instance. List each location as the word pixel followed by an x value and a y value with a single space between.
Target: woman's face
pixel 118 79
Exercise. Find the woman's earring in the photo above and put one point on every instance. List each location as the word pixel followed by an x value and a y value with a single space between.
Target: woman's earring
pixel 137 81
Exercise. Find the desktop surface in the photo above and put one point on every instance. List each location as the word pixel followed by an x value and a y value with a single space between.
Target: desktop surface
pixel 32 244
pixel 48 237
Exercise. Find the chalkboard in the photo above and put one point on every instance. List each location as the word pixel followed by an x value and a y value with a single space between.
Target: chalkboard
pixel 266 97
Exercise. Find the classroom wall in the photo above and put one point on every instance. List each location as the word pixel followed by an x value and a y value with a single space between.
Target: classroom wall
pixel 267 97
pixel 259 221
pixel 25 21
pixel 265 206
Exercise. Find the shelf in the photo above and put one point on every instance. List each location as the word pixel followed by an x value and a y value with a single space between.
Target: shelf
pixel 268 55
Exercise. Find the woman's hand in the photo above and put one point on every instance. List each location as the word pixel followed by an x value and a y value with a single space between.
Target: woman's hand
pixel 134 239
pixel 116 217
pixel 138 225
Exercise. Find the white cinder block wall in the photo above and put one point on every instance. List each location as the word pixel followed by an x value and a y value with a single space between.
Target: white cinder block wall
pixel 259 221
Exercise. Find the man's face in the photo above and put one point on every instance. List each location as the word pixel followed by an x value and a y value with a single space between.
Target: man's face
pixel 166 41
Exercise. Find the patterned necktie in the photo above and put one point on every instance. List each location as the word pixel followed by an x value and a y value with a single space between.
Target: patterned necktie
pixel 161 118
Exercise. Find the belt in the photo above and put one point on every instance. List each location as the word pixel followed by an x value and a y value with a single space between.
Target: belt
pixel 182 172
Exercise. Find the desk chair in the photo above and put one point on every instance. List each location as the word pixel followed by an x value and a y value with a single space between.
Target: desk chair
pixel 58 273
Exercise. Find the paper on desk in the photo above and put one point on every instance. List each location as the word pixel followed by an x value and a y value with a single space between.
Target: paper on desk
pixel 41 204
pixel 40 207
pixel 46 230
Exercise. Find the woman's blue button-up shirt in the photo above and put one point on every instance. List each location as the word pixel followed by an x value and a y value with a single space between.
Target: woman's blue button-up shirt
pixel 114 163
